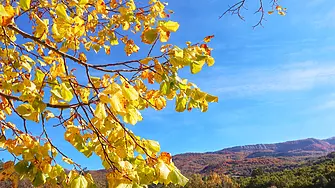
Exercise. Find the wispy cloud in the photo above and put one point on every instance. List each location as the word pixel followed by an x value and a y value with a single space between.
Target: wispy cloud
pixel 326 19
pixel 289 77
pixel 312 3
pixel 317 13
pixel 327 105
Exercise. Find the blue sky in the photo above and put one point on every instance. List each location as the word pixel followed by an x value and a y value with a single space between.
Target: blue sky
pixel 274 83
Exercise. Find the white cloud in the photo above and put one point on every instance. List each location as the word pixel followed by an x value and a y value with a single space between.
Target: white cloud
pixel 289 77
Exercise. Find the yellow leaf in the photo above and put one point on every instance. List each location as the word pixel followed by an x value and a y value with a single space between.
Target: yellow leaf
pixel 125 25
pixel 196 67
pixel 160 103
pixel 67 160
pixel 3 11
pixel 26 65
pixel 129 91
pixel 84 93
pixel 208 38
pixel 146 60
pixel 116 103
pixel 170 26
pixel 281 13
pixel 149 36
pixel 211 98
pixel 83 2
pixel 104 98
pixel 152 145
pixel 28 112
pixel 65 93
pixel 25 4
pixel 82 57
pixel 130 47
pixel 7 14
pixel 61 11
pixel 164 36
pixel 100 111
pixel 270 12
pixel 181 103
pixel 131 5
pixel 107 49
pixel 278 7
pixel 133 116
pixel 41 28
pixel 210 61
pixel 100 7
pixel 162 170
pixel 48 114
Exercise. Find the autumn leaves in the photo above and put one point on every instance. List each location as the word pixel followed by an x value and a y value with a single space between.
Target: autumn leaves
pixel 37 85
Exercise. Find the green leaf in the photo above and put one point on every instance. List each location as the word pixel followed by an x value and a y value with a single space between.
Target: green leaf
pixel 65 93
pixel 25 4
pixel 79 182
pixel 39 179
pixel 22 167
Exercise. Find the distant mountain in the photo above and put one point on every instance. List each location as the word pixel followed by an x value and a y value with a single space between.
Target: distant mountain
pixel 305 145
pixel 240 160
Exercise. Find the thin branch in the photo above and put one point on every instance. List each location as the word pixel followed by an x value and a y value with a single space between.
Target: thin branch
pixel 235 9
pixel 59 106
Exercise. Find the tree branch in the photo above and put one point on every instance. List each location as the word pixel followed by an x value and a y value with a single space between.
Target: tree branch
pixel 59 106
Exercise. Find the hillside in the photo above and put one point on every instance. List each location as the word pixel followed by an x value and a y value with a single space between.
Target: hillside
pixel 241 160
pixel 318 173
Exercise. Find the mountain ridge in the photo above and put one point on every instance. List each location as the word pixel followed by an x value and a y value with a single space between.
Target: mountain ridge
pixel 232 159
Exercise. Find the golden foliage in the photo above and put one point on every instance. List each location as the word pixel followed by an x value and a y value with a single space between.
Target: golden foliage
pixel 45 77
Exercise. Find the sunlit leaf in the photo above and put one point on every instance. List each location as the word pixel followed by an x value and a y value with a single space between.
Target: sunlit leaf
pixel 28 112
pixel 79 182
pixel 25 4
pixel 66 92
pixel 170 26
